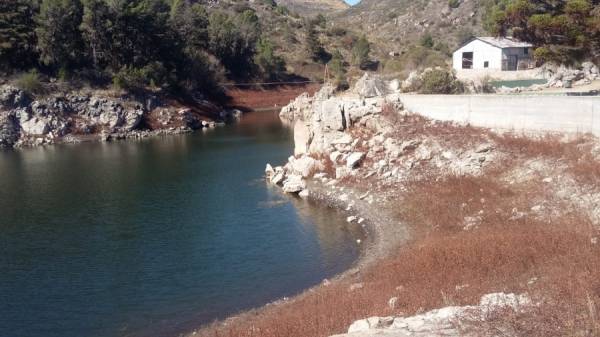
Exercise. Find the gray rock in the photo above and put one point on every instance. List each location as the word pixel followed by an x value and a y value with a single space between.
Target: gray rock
pixel 36 126
pixel 354 159
pixel 11 97
pixel 305 166
pixel 370 86
pixel 294 184
pixel 9 130
pixel 438 322
pixel 278 178
pixel 132 119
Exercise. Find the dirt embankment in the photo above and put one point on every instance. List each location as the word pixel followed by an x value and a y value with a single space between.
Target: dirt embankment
pixel 485 212
pixel 269 97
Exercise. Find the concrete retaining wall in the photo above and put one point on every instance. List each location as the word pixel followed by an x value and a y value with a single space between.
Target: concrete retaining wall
pixel 567 114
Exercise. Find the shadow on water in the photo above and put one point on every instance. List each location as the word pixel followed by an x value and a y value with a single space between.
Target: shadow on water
pixel 156 236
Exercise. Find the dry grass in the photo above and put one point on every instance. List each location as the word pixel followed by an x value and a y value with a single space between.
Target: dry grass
pixel 554 258
pixel 576 154
pixel 447 265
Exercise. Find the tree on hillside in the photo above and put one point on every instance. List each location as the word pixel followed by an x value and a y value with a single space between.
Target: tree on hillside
pixel 140 33
pixel 190 22
pixel 313 45
pixel 233 40
pixel 59 40
pixel 360 52
pixel 17 34
pixel 96 31
pixel 270 64
pixel 427 40
pixel 563 31
pixel 338 69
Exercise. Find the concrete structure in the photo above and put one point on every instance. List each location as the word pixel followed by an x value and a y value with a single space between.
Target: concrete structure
pixel 490 53
pixel 565 114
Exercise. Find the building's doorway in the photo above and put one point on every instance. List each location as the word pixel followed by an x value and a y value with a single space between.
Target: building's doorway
pixel 512 62
pixel 467 60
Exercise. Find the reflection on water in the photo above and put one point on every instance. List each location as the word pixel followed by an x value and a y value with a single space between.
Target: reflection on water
pixel 156 236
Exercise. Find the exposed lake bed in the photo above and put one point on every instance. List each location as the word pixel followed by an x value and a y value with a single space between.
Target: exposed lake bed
pixel 157 236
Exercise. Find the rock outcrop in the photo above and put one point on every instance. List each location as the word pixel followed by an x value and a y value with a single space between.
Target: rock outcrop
pixel 447 321
pixel 350 136
pixel 70 118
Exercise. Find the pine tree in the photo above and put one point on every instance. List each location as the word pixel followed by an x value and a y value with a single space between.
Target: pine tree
pixel 360 52
pixel 270 64
pixel 95 28
pixel 17 34
pixel 59 39
pixel 190 22
pixel 315 49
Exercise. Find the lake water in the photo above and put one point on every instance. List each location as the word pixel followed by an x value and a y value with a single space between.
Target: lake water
pixel 153 238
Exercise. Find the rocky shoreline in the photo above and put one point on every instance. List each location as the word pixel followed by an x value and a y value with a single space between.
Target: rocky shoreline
pixel 354 150
pixel 97 116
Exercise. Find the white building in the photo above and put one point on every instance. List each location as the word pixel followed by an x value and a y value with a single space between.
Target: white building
pixel 493 53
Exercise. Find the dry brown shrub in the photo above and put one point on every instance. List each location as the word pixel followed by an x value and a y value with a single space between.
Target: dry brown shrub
pixel 454 270
pixel 547 145
pixel 447 265
pixel 328 165
pixel 586 170
pixel 576 154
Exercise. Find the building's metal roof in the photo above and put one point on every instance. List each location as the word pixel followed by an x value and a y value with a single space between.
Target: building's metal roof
pixel 505 42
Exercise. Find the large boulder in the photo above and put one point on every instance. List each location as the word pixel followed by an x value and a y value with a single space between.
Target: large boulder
pixel 305 166
pixel 302 138
pixel 132 119
pixel 370 86
pixel 412 81
pixel 9 130
pixel 11 97
pixel 438 322
pixel 294 184
pixel 36 126
pixel 354 159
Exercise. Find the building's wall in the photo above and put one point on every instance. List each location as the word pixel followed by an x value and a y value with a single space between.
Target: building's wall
pixel 519 52
pixel 481 52
pixel 566 114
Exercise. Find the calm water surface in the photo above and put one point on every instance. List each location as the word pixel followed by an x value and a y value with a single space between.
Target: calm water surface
pixel 155 237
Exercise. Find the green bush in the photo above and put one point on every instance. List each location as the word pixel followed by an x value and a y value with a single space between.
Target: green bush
pixel 282 10
pixel 270 65
pixel 338 70
pixel 440 81
pixel 152 75
pixel 30 82
pixel 427 41
pixel 337 31
pixel 453 3
pixel 360 52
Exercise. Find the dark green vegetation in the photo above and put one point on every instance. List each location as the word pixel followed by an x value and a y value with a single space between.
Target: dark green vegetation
pixel 563 31
pixel 173 45
pixel 440 81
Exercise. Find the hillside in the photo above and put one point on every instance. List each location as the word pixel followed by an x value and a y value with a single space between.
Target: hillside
pixel 314 7
pixel 397 26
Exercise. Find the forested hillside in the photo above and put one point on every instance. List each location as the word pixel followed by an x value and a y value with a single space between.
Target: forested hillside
pixel 562 31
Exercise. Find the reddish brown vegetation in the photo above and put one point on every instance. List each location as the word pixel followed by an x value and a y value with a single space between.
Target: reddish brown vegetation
pixel 253 98
pixel 553 258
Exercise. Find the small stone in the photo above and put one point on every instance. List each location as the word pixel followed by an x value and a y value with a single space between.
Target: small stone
pixel 356 286
pixel 354 159
pixel 304 194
